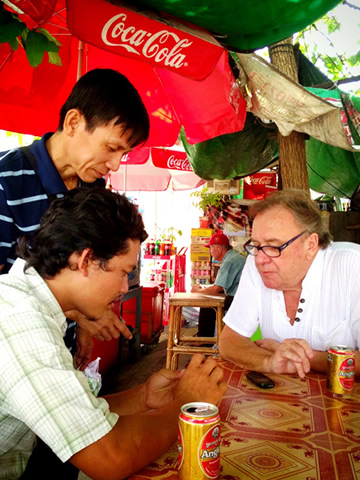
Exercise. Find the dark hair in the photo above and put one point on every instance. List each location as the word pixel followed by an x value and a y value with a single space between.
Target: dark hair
pixel 103 95
pixel 92 218
pixel 306 212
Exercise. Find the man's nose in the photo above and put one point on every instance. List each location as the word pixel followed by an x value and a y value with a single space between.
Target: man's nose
pixel 114 163
pixel 124 285
pixel 261 258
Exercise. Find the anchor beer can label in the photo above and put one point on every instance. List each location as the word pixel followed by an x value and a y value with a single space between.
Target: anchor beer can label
pixel 199 442
pixel 341 370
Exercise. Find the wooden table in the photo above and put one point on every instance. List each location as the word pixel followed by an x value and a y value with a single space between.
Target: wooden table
pixel 178 343
pixel 294 431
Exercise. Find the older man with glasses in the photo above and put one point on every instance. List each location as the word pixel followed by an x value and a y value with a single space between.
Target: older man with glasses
pixel 299 286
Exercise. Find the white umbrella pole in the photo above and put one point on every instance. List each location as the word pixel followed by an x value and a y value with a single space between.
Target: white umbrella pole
pixel 124 180
pixel 156 212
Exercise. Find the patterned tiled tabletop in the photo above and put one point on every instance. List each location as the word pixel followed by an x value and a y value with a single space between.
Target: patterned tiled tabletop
pixel 294 431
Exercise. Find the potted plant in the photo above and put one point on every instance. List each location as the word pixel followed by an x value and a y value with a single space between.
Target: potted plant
pixel 204 199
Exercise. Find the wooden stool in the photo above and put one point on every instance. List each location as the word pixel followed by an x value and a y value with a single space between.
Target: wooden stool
pixel 182 344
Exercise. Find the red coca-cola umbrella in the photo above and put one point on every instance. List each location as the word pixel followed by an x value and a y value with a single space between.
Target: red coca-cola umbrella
pixel 154 169
pixel 181 73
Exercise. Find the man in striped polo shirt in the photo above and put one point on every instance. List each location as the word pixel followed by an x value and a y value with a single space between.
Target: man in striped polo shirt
pixel 102 119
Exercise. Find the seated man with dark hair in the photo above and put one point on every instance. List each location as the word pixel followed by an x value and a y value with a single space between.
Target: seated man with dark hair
pixel 79 258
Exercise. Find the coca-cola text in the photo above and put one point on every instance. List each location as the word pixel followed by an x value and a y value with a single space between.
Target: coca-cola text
pixel 150 45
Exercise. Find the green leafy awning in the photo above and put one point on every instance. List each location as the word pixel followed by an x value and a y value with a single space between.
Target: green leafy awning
pixel 243 25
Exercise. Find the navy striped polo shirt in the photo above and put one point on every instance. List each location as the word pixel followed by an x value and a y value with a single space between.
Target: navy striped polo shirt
pixel 24 195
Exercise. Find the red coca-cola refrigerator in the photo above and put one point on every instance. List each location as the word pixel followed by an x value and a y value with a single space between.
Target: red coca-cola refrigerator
pixel 152 307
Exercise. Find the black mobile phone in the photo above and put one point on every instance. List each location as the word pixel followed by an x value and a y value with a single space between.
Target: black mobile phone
pixel 260 380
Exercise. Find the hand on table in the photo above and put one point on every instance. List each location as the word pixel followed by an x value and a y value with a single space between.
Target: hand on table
pixel 159 389
pixel 293 355
pixel 201 381
pixel 196 288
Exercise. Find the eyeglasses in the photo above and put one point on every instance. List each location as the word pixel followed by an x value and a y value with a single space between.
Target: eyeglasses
pixel 269 250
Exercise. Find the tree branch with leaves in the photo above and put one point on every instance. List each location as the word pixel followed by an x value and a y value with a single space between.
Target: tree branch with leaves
pixel 35 41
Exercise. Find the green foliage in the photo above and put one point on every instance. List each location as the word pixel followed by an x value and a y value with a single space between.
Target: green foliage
pixel 170 233
pixel 337 65
pixel 10 26
pixel 20 137
pixel 35 42
pixel 204 198
pixel 354 59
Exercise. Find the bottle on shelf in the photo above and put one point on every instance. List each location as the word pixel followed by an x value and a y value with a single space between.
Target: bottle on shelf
pixel 152 247
pixel 157 247
pixel 162 248
pixel 167 248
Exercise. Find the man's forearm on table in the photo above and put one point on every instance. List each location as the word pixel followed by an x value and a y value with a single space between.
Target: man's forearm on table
pixel 245 354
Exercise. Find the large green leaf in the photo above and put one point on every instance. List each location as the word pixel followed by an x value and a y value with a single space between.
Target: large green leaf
pixel 36 45
pixel 10 26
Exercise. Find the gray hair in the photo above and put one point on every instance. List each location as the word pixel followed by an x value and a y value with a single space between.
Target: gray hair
pixel 306 212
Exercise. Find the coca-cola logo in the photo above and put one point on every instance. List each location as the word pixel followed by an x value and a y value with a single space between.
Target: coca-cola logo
pixel 148 44
pixel 264 180
pixel 179 164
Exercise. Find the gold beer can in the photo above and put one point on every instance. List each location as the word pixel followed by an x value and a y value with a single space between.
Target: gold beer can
pixel 341 370
pixel 199 442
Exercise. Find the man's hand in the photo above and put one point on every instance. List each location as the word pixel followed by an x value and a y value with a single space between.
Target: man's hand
pixel 293 355
pixel 159 389
pixel 107 327
pixel 268 344
pixel 201 381
pixel 196 288
pixel 84 347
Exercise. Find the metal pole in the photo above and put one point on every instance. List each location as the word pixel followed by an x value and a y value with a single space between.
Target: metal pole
pixel 80 60
pixel 124 178
pixel 156 212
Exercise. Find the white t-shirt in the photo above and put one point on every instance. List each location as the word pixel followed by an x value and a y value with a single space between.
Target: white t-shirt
pixel 329 307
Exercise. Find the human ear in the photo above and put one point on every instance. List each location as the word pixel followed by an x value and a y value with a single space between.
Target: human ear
pixel 312 244
pixel 84 261
pixel 72 121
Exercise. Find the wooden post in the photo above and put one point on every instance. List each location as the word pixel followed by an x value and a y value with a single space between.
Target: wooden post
pixel 292 156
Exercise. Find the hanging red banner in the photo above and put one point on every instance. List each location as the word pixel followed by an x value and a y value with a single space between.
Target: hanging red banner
pixel 170 159
pixel 160 41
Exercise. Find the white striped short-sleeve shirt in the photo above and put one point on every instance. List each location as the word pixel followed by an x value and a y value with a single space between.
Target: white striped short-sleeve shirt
pixel 41 393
